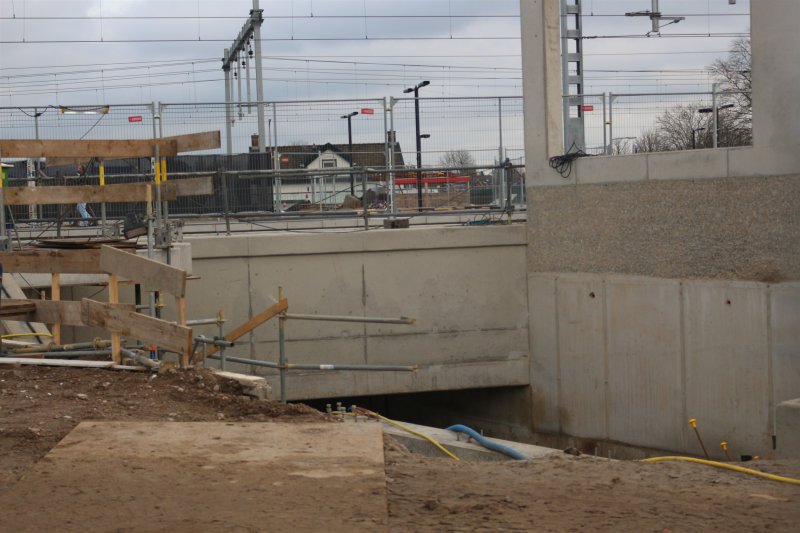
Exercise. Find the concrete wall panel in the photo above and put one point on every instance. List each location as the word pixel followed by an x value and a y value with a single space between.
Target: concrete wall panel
pixel 785 341
pixel 611 169
pixel 447 347
pixel 690 164
pixel 728 366
pixel 730 228
pixel 544 372
pixel 581 343
pixel 465 287
pixel 645 382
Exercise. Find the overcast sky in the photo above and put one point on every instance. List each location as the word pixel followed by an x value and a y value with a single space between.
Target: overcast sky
pixel 373 48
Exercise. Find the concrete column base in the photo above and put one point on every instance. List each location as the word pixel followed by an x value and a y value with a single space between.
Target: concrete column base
pixel 787 423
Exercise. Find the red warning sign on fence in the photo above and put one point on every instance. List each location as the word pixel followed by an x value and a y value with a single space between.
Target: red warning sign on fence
pixel 367 111
pixel 135 118
pixel 585 108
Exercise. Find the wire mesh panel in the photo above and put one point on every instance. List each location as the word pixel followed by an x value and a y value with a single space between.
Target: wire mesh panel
pixel 315 153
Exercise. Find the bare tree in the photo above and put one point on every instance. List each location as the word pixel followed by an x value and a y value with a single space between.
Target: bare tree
pixel 676 127
pixel 735 74
pixel 650 141
pixel 458 160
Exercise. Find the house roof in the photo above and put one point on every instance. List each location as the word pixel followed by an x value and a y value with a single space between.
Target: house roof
pixel 363 155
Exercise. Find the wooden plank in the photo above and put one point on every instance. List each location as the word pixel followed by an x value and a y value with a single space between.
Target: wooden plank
pixel 147 272
pixel 88 149
pixel 192 142
pixel 68 313
pixel 55 294
pixel 54 362
pixel 17 308
pixel 126 192
pixel 75 194
pixel 66 152
pixel 270 312
pixel 52 261
pixel 137 326
pixel 113 298
pixel 13 290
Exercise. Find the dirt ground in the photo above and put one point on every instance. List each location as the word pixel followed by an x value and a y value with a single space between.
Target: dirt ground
pixel 39 406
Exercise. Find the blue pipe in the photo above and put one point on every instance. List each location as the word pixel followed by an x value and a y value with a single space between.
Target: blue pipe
pixel 486 443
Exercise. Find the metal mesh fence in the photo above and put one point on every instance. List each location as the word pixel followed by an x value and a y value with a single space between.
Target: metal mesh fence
pixel 617 124
pixel 305 141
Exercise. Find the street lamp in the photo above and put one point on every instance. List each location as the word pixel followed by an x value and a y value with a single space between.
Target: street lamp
pixel 349 118
pixel 415 89
pixel 705 110
pixel 694 139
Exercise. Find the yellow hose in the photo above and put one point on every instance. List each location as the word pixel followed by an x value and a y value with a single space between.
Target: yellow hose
pixel 408 430
pixel 726 466
pixel 12 335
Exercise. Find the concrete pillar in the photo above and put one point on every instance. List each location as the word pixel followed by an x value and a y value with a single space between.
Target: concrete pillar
pixel 787 427
pixel 541 67
pixel 776 75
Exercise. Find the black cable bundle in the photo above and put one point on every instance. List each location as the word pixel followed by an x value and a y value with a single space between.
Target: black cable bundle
pixel 563 163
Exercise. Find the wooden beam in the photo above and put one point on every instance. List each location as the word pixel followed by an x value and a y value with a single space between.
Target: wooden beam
pixel 145 271
pixel 113 298
pixel 16 308
pixel 55 362
pixel 68 313
pixel 55 295
pixel 104 149
pixel 161 333
pixel 52 261
pixel 192 142
pixel 270 312
pixel 128 192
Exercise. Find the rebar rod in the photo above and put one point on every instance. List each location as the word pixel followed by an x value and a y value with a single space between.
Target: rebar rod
pixel 362 319
pixel 328 367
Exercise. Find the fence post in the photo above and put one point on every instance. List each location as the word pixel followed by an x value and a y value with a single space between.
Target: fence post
pixel 605 138
pixel 501 188
pixel 225 203
pixel 607 147
pixel 392 144
pixel 276 163
pixel 714 114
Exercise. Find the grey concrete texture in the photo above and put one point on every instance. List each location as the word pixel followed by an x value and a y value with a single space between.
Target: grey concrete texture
pixel 787 425
pixel 726 228
pixel 465 286
pixel 632 359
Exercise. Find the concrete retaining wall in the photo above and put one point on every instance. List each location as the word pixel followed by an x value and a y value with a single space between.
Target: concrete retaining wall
pixel 631 359
pixel 465 286
pixel 729 228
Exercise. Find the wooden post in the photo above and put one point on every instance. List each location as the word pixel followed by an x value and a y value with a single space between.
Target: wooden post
pixel 55 295
pixel 182 322
pixel 113 297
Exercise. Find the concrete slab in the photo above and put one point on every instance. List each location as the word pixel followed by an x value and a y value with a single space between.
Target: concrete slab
pixel 609 169
pixel 581 346
pixel 785 341
pixel 644 362
pixel 688 164
pixel 787 425
pixel 464 448
pixel 544 373
pixel 123 476
pixel 727 366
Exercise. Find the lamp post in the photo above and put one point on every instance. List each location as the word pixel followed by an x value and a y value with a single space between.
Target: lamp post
pixel 349 118
pixel 705 110
pixel 694 139
pixel 415 89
